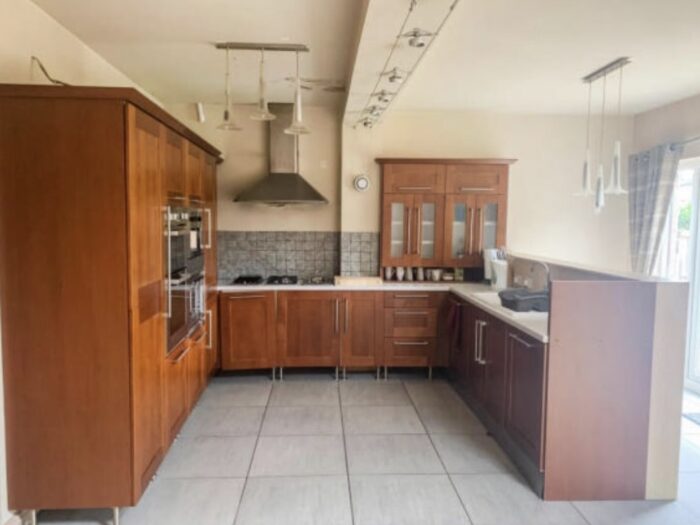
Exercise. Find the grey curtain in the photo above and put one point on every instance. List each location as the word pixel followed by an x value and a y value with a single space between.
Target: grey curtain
pixel 652 175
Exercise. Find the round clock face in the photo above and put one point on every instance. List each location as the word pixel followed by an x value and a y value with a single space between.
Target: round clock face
pixel 361 183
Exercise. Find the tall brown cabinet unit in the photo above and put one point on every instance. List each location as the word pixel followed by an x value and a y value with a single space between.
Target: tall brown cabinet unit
pixel 442 212
pixel 84 176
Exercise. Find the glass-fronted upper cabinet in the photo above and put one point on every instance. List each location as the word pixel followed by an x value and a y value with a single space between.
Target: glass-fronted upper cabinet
pixel 429 211
pixel 460 246
pixel 491 226
pixel 397 242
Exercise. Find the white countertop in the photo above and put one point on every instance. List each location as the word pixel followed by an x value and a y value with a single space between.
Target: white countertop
pixel 535 325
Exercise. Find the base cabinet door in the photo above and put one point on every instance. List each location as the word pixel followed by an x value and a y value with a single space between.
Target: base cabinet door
pixel 247 330
pixel 475 372
pixel 459 351
pixel 493 353
pixel 524 418
pixel 195 364
pixel 212 360
pixel 176 394
pixel 309 325
pixel 362 335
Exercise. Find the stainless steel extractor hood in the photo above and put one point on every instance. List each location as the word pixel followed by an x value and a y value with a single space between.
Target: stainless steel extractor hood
pixel 283 185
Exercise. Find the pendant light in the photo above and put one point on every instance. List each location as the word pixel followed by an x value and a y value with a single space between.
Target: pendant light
pixel 615 186
pixel 297 127
pixel 586 190
pixel 600 178
pixel 262 113
pixel 228 124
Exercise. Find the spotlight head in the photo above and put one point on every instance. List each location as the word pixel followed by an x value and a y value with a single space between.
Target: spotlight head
pixel 396 77
pixel 417 41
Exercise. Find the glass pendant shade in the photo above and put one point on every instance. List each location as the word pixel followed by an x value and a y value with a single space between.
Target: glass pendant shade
pixel 615 186
pixel 262 113
pixel 600 189
pixel 228 123
pixel 586 190
pixel 297 127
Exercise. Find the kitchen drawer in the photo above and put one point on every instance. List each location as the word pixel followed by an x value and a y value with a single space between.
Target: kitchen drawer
pixel 410 322
pixel 408 351
pixel 414 178
pixel 476 178
pixel 410 299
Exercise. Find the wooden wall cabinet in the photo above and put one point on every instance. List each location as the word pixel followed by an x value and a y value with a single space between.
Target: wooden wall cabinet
pixel 248 330
pixel 442 212
pixel 82 289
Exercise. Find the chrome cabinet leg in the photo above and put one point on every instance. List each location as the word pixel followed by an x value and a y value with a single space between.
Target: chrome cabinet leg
pixel 115 515
pixel 28 517
pixel 430 373
pixel 379 373
pixel 345 373
pixel 386 373
pixel 336 372
pixel 274 373
pixel 281 373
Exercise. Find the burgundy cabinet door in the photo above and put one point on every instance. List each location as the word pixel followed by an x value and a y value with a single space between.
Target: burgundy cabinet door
pixel 524 418
pixel 493 356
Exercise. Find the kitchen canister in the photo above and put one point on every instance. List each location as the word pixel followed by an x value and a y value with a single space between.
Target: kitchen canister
pixel 499 274
pixel 399 273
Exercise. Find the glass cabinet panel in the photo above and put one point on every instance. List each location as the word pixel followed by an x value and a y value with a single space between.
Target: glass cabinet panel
pixel 459 230
pixel 427 230
pixel 489 227
pixel 398 215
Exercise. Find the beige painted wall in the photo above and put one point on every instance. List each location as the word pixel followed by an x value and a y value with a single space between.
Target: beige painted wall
pixel 246 159
pixel 544 218
pixel 26 30
pixel 670 123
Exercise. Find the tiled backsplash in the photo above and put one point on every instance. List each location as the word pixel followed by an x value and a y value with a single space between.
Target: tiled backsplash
pixel 359 253
pixel 306 254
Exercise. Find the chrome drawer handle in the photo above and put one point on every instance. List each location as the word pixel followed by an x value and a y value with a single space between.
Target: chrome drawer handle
pixel 519 340
pixel 234 297
pixel 478 188
pixel 415 188
pixel 415 296
pixel 411 343
pixel 421 314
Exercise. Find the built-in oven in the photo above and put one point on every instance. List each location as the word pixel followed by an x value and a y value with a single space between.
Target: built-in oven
pixel 184 273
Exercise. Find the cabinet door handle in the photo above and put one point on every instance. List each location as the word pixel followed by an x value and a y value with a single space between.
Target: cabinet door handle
pixel 482 324
pixel 168 277
pixel 466 189
pixel 520 340
pixel 337 320
pixel 409 211
pixel 207 212
pixel 476 342
pixel 415 188
pixel 421 314
pixel 411 296
pixel 182 355
pixel 411 343
pixel 470 216
pixel 481 230
pixel 210 327
pixel 419 231
pixel 236 297
pixel 347 315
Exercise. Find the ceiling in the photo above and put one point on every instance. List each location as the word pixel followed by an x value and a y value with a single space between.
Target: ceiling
pixel 165 45
pixel 529 55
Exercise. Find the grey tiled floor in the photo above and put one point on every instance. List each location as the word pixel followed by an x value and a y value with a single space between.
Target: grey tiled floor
pixel 358 452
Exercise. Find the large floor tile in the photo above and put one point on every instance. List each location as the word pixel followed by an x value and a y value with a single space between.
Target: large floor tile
pixel 287 421
pixel 637 513
pixel 470 454
pixel 223 421
pixel 187 501
pixel 392 454
pixel 432 393
pixel 690 453
pixel 305 393
pixel 381 420
pixel 321 500
pixel 405 500
pixel 504 499
pixel 298 456
pixel 208 457
pixel 373 393
pixel 228 392
pixel 450 419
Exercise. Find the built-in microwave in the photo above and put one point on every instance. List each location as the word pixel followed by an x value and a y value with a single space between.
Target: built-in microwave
pixel 184 272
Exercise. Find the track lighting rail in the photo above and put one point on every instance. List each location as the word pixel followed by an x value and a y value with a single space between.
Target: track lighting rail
pixel 252 46
pixel 606 70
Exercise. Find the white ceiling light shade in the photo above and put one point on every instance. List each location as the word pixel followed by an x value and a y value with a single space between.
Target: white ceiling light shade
pixel 600 177
pixel 262 113
pixel 228 123
pixel 297 127
pixel 615 186
pixel 586 189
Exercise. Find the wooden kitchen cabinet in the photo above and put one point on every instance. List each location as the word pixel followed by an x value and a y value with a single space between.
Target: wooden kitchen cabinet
pixel 209 217
pixel 248 330
pixel 176 398
pixel 196 366
pixel 90 269
pixel 308 328
pixel 362 333
pixel 213 359
pixel 524 416
pixel 493 341
pixel 194 174
pixel 442 212
pixel 174 148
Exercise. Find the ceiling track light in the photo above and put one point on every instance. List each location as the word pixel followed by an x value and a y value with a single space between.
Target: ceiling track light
pixel 374 111
pixel 417 37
